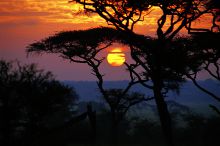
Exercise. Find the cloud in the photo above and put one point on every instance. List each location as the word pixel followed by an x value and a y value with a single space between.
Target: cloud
pixel 36 12
pixel 43 10
pixel 16 22
pixel 26 13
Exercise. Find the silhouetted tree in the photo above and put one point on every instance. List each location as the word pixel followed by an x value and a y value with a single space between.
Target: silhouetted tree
pixel 83 47
pixel 31 100
pixel 120 102
pixel 175 15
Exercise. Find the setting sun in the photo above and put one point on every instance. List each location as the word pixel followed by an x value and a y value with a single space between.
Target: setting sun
pixel 116 57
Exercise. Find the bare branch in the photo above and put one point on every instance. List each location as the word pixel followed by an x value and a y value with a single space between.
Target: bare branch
pixel 193 79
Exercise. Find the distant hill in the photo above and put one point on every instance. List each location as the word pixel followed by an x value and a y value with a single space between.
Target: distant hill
pixel 189 94
pixel 88 90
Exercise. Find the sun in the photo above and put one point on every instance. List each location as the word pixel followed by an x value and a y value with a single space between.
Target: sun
pixel 116 57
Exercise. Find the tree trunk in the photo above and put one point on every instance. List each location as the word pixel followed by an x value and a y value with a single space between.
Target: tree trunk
pixel 114 130
pixel 163 112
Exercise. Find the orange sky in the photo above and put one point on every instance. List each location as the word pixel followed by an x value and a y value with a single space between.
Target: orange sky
pixel 24 21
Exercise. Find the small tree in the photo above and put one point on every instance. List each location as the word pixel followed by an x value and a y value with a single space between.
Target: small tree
pixel 29 98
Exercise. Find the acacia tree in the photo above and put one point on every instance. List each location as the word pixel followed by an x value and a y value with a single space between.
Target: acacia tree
pixel 175 15
pixel 82 47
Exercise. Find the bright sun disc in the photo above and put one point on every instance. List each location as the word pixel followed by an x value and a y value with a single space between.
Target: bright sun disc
pixel 116 57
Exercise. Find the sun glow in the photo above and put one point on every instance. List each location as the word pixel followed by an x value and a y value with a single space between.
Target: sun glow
pixel 116 57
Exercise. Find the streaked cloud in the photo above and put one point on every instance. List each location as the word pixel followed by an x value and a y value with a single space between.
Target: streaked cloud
pixel 44 11
pixel 26 12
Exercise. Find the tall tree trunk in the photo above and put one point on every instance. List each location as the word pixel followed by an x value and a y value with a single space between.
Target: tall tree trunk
pixel 114 130
pixel 163 112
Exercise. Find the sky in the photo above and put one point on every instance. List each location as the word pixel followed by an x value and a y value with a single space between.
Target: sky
pixel 23 22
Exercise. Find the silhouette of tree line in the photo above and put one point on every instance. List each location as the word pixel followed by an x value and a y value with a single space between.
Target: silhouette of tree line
pixel 36 109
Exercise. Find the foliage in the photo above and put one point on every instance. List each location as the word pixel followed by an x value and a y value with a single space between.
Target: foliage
pixel 71 44
pixel 30 98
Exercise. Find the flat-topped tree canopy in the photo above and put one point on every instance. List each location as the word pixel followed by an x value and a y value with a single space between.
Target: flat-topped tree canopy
pixel 85 43
pixel 74 43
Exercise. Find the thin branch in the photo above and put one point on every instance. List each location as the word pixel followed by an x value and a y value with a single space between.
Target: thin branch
pixel 216 76
pixel 193 79
pixel 140 80
pixel 215 109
